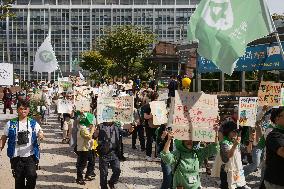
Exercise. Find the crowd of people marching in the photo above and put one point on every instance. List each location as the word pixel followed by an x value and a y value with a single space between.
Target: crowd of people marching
pixel 237 151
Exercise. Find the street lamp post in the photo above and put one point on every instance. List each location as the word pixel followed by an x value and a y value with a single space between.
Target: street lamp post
pixel 181 28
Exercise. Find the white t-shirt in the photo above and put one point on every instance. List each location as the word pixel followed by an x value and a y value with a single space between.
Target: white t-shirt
pixel 24 150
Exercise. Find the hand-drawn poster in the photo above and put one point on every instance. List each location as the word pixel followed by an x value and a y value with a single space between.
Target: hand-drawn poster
pixel 199 111
pixel 64 86
pixel 205 134
pixel 247 111
pixel 282 97
pixel 182 132
pixel 106 91
pixel 83 105
pixel 6 74
pixel 111 109
pixel 163 95
pixel 269 93
pixel 64 106
pixel 159 112
pixel 82 92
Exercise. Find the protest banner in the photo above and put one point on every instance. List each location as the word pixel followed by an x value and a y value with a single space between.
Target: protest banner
pixel 64 106
pixel 63 79
pixel 198 111
pixel 111 109
pixel 159 112
pixel 269 93
pixel 163 95
pixel 282 97
pixel 64 86
pixel 106 91
pixel 82 92
pixel 96 90
pixel 6 74
pixel 182 132
pixel 247 111
pixel 84 104
pixel 204 134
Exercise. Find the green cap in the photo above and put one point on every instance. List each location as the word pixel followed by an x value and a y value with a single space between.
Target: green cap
pixel 87 119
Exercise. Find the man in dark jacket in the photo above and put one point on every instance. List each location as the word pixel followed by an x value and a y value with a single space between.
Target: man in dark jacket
pixel 275 152
pixel 109 149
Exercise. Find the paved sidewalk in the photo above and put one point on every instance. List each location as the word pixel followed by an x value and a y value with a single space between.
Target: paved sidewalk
pixel 58 165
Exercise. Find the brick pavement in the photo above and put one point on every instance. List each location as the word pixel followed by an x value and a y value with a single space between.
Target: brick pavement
pixel 58 166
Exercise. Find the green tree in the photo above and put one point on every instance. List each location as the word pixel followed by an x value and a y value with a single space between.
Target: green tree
pixel 125 49
pixel 96 63
pixel 5 7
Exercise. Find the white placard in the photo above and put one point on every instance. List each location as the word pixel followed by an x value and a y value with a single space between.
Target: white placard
pixel 6 74
pixel 159 112
pixel 64 106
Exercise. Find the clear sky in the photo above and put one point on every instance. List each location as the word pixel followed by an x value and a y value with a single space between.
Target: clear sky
pixel 276 6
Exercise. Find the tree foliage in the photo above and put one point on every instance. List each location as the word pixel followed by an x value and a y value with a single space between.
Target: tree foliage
pixel 5 7
pixel 95 62
pixel 123 51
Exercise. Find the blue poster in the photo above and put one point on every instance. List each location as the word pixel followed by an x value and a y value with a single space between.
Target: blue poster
pixel 260 57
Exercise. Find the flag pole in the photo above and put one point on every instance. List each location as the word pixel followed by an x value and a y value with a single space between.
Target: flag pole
pixel 275 32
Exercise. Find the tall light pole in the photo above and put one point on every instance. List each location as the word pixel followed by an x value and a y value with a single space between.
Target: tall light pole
pixel 181 28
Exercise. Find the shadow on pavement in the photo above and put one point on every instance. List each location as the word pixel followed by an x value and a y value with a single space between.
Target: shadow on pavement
pixel 60 168
pixel 56 178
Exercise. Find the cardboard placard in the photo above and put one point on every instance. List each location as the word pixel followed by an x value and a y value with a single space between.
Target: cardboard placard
pixel 163 95
pixel 269 93
pixel 182 132
pixel 64 106
pixel 64 86
pixel 84 104
pixel 6 74
pixel 159 112
pixel 197 111
pixel 205 134
pixel 111 109
pixel 247 111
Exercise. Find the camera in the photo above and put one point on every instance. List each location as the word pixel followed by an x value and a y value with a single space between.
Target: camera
pixel 23 137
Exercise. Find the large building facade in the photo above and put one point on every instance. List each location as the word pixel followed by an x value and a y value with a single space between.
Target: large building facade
pixel 76 24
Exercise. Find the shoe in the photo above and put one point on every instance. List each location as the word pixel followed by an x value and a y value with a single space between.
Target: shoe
pixel 81 182
pixel 134 147
pixel 148 158
pixel 246 187
pixel 89 178
pixel 93 175
pixel 157 159
pixel 122 158
pixel 111 185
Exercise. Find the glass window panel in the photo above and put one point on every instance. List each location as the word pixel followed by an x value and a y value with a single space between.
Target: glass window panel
pixel 126 2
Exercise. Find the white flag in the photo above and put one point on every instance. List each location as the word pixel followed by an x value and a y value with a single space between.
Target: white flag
pixel 81 76
pixel 45 60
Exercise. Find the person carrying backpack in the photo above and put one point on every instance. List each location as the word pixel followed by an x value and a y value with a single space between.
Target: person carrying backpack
pixel 23 134
pixel 185 161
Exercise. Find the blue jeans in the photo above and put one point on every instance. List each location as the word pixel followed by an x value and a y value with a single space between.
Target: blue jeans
pixel 257 153
pixel 167 176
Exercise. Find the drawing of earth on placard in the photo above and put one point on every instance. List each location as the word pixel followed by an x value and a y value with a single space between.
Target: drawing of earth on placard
pixel 159 115
pixel 243 118
pixel 108 113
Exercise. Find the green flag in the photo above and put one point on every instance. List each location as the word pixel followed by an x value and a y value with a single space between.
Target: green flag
pixel 223 28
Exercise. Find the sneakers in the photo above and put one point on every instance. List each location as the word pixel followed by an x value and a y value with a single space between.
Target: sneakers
pixel 148 158
pixel 89 178
pixel 111 185
pixel 246 187
pixel 157 159
pixel 81 182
